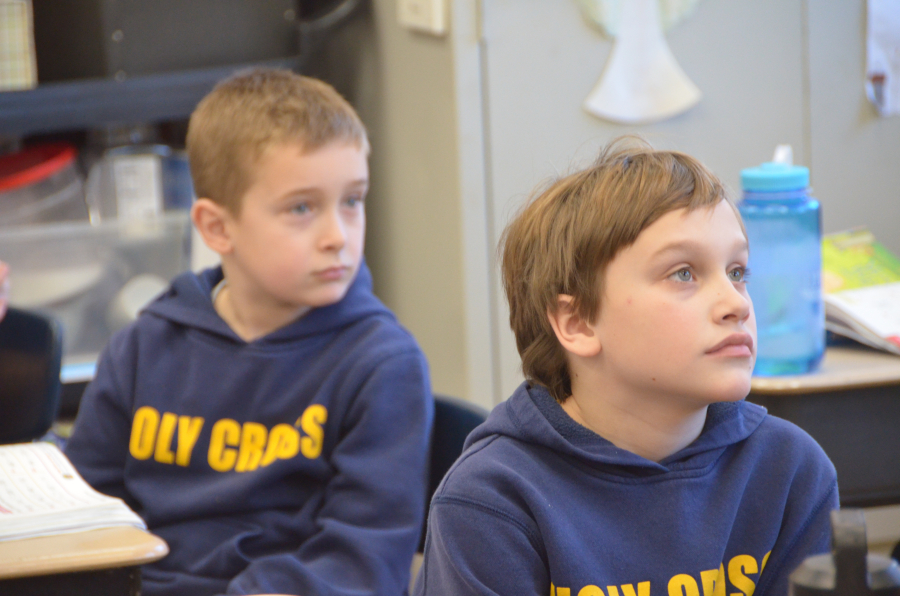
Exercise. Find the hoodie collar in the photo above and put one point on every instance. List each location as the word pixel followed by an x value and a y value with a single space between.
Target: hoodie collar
pixel 188 302
pixel 532 415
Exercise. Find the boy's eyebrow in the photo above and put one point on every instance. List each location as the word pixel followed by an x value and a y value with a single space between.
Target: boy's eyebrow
pixel 688 245
pixel 313 190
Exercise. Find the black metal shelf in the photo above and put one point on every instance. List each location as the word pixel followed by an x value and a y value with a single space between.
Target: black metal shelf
pixel 93 103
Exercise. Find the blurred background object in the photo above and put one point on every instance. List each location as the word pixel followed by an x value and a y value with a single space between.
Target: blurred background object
pixel 41 184
pixel 18 64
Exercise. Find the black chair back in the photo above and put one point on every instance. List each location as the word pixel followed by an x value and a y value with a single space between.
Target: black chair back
pixel 454 419
pixel 30 360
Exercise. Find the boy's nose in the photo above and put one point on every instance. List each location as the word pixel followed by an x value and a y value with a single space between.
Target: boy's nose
pixel 333 234
pixel 733 303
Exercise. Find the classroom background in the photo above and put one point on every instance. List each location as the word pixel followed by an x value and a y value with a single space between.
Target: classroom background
pixel 465 120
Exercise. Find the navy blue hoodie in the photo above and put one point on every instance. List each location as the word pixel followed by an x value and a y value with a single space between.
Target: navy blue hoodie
pixel 293 464
pixel 539 505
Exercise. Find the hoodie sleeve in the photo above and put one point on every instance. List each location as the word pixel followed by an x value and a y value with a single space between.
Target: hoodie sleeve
pixel 370 522
pixel 98 447
pixel 806 522
pixel 474 549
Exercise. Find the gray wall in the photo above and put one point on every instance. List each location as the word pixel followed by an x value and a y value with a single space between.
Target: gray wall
pixel 464 126
pixel 771 71
pixel 854 155
pixel 402 85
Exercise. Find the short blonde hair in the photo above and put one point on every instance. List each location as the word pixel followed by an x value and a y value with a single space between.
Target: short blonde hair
pixel 563 239
pixel 252 110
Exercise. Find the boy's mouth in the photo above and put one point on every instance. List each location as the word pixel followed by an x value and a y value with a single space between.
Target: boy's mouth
pixel 335 273
pixel 736 344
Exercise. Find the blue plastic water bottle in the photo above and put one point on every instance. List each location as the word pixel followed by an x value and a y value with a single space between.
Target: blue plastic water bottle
pixel 785 231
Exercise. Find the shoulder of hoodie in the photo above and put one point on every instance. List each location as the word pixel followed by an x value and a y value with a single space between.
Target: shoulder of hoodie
pixel 483 480
pixel 482 467
pixel 782 444
pixel 780 450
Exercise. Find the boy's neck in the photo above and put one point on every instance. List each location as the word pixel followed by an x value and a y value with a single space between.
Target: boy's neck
pixel 646 425
pixel 248 317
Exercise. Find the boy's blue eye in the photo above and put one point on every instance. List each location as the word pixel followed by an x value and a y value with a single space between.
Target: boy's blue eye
pixel 683 275
pixel 739 274
pixel 353 201
pixel 301 208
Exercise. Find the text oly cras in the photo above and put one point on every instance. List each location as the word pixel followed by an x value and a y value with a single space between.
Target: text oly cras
pixel 241 447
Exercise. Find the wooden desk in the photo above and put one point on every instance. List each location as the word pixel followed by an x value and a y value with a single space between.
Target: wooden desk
pixel 851 406
pixel 104 561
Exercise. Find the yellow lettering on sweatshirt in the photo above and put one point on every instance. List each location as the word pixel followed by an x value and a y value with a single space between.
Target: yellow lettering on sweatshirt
pixel 311 423
pixel 143 432
pixel 170 439
pixel 284 443
pixel 163 452
pixel 643 589
pixel 225 433
pixel 590 591
pixel 253 441
pixel 188 431
pixel 738 568
pixel 683 585
pixel 713 581
pixel 764 561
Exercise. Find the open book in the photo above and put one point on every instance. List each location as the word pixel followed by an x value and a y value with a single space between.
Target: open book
pixel 861 281
pixel 42 494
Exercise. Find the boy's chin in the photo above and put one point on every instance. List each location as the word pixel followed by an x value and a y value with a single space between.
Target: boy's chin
pixel 327 298
pixel 723 388
pixel 735 384
pixel 736 390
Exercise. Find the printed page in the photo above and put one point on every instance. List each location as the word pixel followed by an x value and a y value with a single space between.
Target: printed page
pixel 861 281
pixel 41 493
pixel 876 308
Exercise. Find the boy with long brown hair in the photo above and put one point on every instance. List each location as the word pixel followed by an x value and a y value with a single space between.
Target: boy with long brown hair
pixel 627 463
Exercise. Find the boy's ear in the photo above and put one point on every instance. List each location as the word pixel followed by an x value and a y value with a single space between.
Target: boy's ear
pixel 575 334
pixel 210 220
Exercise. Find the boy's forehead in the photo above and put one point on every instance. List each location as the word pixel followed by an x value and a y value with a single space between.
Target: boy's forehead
pixel 279 148
pixel 685 227
pixel 302 149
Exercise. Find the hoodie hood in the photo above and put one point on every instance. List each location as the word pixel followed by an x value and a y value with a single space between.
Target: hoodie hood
pixel 532 416
pixel 188 302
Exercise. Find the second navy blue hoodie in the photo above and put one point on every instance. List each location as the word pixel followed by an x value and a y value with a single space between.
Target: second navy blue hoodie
pixel 539 505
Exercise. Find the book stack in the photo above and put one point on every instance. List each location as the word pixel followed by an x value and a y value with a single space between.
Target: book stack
pixel 41 494
pixel 861 282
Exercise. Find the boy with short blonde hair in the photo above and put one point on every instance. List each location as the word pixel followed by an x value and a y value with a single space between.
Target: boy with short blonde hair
pixel 627 463
pixel 268 418
pixel 232 127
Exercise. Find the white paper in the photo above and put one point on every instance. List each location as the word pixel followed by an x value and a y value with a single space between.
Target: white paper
pixel 875 308
pixel 42 494
pixel 607 14
pixel 883 56
pixel 642 82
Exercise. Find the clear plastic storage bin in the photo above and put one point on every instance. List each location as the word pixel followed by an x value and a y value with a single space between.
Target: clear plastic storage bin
pixel 41 184
pixel 93 279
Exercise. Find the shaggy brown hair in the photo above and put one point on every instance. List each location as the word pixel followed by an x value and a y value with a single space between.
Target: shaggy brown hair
pixel 563 239
pixel 249 112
